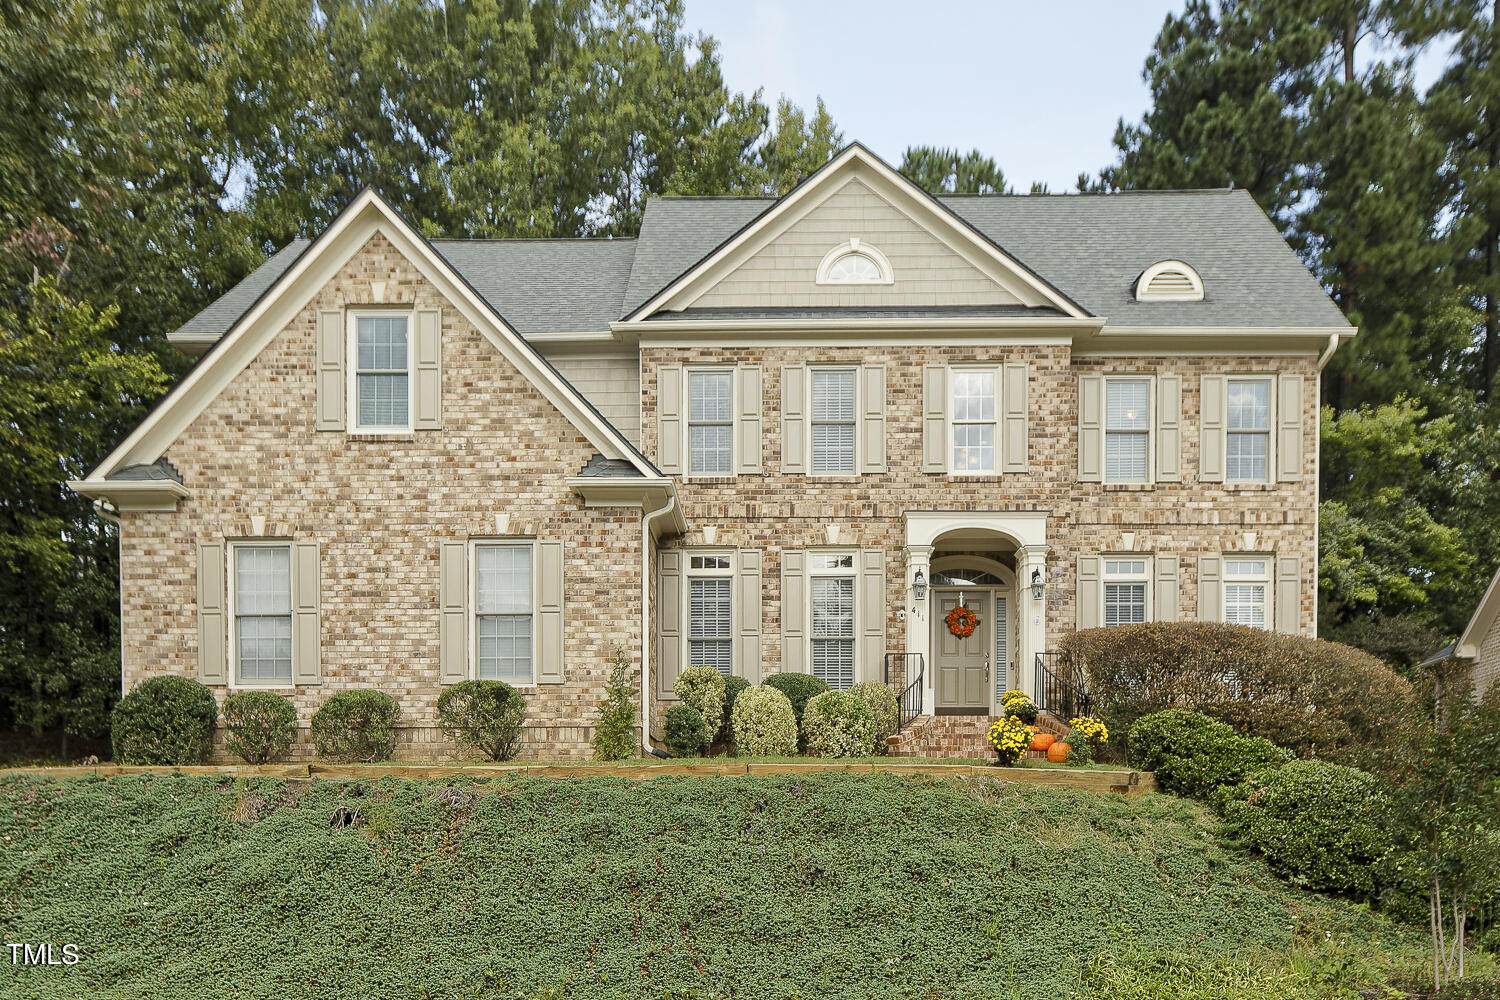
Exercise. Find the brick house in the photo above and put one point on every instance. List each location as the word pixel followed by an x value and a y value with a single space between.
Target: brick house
pixel 766 435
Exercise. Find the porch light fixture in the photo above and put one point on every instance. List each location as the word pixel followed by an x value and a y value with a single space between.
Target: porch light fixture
pixel 1038 588
pixel 919 586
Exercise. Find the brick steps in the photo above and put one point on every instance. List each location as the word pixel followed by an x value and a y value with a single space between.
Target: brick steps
pixel 959 736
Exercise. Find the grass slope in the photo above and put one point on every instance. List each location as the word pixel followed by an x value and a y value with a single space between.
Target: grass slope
pixel 832 885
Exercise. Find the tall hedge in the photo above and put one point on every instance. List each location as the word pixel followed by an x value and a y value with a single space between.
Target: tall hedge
pixel 1315 697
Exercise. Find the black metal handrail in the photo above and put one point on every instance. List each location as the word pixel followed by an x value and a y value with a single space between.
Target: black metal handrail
pixel 908 681
pixel 1060 687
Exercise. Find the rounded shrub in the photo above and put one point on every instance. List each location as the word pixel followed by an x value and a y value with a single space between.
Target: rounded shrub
pixel 1194 755
pixel 839 724
pixel 733 686
pixel 687 732
pixel 356 726
pixel 701 688
pixel 799 690
pixel 881 699
pixel 485 715
pixel 764 723
pixel 164 720
pixel 259 726
pixel 1318 824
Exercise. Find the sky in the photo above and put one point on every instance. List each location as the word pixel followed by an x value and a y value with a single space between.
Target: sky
pixel 1037 85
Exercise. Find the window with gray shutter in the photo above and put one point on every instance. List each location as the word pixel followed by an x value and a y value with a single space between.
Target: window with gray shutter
pixel 1127 429
pixel 263 613
pixel 1248 430
pixel 832 422
pixel 382 374
pixel 711 423
pixel 503 613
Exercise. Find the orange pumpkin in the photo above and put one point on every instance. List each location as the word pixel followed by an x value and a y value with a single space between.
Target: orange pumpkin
pixel 1057 753
pixel 1042 741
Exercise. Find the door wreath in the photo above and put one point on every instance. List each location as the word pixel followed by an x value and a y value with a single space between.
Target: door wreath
pixel 962 622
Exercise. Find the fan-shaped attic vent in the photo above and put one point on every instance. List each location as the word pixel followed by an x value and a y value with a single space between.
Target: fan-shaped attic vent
pixel 1169 281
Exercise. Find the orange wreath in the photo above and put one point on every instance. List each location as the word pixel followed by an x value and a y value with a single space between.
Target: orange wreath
pixel 962 622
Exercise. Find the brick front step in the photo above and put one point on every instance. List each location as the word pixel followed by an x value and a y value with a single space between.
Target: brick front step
pixel 959 736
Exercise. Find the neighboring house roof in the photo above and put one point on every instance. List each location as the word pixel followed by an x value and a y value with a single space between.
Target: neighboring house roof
pixel 1443 654
pixel 1480 624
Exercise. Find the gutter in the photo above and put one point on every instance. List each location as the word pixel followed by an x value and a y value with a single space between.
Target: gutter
pixel 1333 345
pixel 648 538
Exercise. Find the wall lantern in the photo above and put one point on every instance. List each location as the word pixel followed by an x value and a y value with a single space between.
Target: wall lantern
pixel 919 587
pixel 1038 588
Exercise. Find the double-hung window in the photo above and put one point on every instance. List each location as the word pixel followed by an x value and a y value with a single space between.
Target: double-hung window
pixel 710 612
pixel 1247 586
pixel 503 612
pixel 832 421
pixel 711 423
pixel 973 421
pixel 381 372
pixel 831 576
pixel 1248 430
pixel 1127 430
pixel 262 578
pixel 1125 591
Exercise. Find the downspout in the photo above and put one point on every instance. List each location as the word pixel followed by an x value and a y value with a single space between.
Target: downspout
pixel 1333 345
pixel 1323 359
pixel 647 519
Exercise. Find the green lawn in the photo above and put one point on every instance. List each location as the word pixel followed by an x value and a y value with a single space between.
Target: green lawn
pixel 827 885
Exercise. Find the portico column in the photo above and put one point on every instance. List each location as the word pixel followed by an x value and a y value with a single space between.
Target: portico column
pixel 1033 637
pixel 918 634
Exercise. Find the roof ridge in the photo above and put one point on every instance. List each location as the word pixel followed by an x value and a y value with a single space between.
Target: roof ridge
pixel 1091 194
pixel 534 239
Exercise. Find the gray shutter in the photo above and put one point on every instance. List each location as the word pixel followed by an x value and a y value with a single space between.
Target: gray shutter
pixel 872 617
pixel 1288 595
pixel 1090 428
pixel 872 419
pixel 453 611
pixel 668 621
pixel 1211 443
pixel 1017 444
pixel 1289 428
pixel 794 420
pixel 748 426
pixel 1210 596
pixel 1169 429
pixel 212 621
pixel 934 418
pixel 330 374
pixel 794 611
pixel 427 392
pixel 1168 590
pixel 747 617
pixel 669 404
pixel 549 613
pixel 307 626
pixel 1090 615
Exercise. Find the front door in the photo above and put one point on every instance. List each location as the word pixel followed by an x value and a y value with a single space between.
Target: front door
pixel 962 665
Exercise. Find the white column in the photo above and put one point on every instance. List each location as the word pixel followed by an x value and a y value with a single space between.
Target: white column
pixel 918 633
pixel 1033 630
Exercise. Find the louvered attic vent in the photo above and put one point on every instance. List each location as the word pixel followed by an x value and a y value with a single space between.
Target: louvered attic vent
pixel 1169 281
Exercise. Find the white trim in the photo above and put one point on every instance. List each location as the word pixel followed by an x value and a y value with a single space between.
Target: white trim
pixel 133 495
pixel 854 246
pixel 477 542
pixel 1270 380
pixel 1146 578
pixel 853 370
pixel 688 371
pixel 856 622
pixel 352 316
pixel 233 681
pixel 996 372
pixel 1143 292
pixel 731 573
pixel 1150 380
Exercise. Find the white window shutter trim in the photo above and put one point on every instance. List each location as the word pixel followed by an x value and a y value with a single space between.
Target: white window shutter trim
pixel 330 371
pixel 872 613
pixel 1089 592
pixel 307 626
pixel 1169 429
pixel 1210 594
pixel 428 353
pixel 1168 589
pixel 669 429
pixel 669 602
pixel 1211 443
pixel 935 418
pixel 1289 428
pixel 794 610
pixel 453 611
pixel 794 420
pixel 747 621
pixel 1090 428
pixel 872 422
pixel 1016 453
pixel 213 646
pixel 549 613
pixel 747 410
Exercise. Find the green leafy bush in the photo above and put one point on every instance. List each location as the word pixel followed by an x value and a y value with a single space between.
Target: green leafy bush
pixel 799 690
pixel 616 736
pixel 164 720
pixel 1019 704
pixel 839 724
pixel 259 726
pixel 357 725
pixel 701 688
pixel 881 699
pixel 686 731
pixel 764 722
pixel 485 715
pixel 1194 755
pixel 1319 825
pixel 733 686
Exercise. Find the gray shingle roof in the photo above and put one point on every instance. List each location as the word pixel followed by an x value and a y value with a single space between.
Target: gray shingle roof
pixel 546 286
pixel 599 467
pixel 159 470
pixel 222 313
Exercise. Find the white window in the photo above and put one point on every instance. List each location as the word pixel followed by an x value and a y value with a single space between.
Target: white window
pixel 262 601
pixel 1247 585
pixel 974 431
pixel 1126 592
pixel 1248 430
pixel 381 373
pixel 832 421
pixel 711 423
pixel 710 612
pixel 854 263
pixel 502 612
pixel 832 637
pixel 1127 430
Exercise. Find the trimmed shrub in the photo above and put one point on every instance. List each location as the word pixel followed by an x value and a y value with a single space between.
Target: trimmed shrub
pixel 1319 825
pixel 687 732
pixel 764 722
pixel 488 716
pixel 701 688
pixel 799 690
pixel 164 720
pixel 881 698
pixel 1194 755
pixel 839 724
pixel 356 726
pixel 259 726
pixel 1316 697
pixel 733 686
pixel 616 736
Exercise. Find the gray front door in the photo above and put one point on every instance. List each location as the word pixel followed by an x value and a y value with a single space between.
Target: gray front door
pixel 962 665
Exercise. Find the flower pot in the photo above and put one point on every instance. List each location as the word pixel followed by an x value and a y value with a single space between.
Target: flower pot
pixel 1057 753
pixel 1041 741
